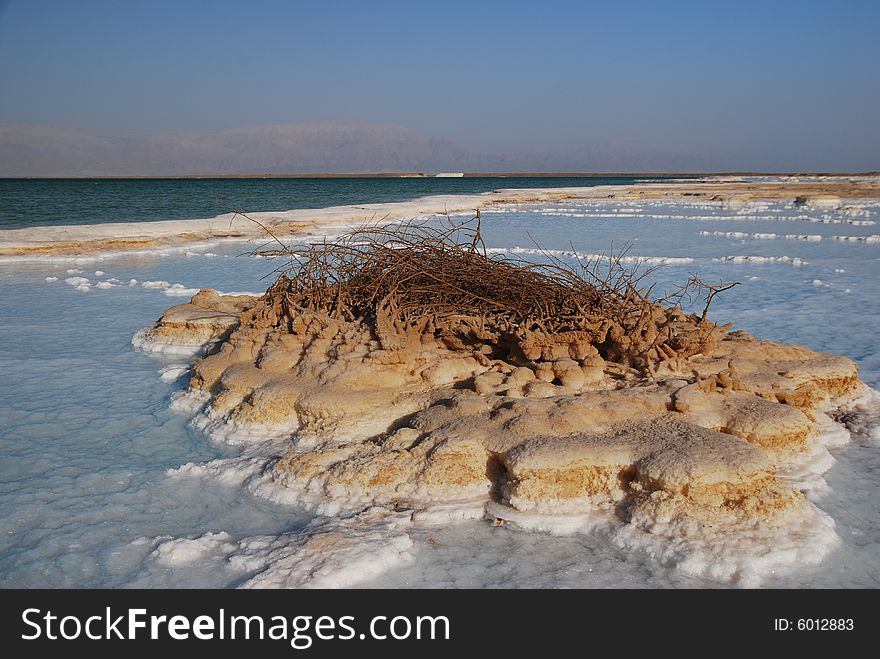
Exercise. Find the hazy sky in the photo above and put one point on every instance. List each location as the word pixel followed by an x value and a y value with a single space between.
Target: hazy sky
pixel 753 84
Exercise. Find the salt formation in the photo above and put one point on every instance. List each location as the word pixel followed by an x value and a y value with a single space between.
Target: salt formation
pixel 195 327
pixel 822 201
pixel 409 370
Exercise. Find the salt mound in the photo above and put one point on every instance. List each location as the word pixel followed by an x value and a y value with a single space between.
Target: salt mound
pixel 661 420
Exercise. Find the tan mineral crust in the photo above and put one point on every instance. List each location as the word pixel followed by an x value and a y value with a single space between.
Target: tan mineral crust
pixel 207 319
pixel 410 419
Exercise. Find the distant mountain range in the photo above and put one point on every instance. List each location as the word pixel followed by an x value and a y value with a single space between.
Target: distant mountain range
pixel 33 150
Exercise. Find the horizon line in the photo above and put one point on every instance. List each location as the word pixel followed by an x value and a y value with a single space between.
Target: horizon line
pixel 426 175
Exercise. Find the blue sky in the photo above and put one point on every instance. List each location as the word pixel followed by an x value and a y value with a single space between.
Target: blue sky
pixel 744 81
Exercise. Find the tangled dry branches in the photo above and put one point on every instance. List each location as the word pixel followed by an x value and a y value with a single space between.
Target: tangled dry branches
pixel 426 282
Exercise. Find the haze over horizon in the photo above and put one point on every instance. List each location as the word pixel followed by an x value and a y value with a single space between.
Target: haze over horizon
pixel 161 88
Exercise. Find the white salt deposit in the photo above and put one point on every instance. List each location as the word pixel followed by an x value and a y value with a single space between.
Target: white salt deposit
pixel 761 236
pixel 795 261
pixel 186 551
pixel 171 348
pixel 173 372
pixel 234 293
pixel 335 554
pixel 590 256
pixel 179 290
pixel 746 554
pixel 79 283
pixel 156 284
pixel 858 239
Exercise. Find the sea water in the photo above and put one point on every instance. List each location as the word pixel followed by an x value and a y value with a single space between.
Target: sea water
pixel 91 493
pixel 35 202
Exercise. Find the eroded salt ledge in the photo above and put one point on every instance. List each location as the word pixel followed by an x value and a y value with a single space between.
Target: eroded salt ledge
pixel 711 471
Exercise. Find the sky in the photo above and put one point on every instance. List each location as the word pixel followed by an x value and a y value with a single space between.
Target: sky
pixel 735 85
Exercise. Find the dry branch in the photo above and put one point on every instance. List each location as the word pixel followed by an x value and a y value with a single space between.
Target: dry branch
pixel 422 281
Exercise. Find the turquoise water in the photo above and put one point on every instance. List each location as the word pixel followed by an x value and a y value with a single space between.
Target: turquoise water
pixel 35 202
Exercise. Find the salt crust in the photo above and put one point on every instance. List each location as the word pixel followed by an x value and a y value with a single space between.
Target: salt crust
pixel 689 471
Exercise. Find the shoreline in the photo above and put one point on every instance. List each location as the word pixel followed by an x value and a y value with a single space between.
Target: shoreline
pixel 91 239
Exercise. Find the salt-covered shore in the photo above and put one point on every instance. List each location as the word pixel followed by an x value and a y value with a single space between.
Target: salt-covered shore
pixel 78 240
pixel 122 237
